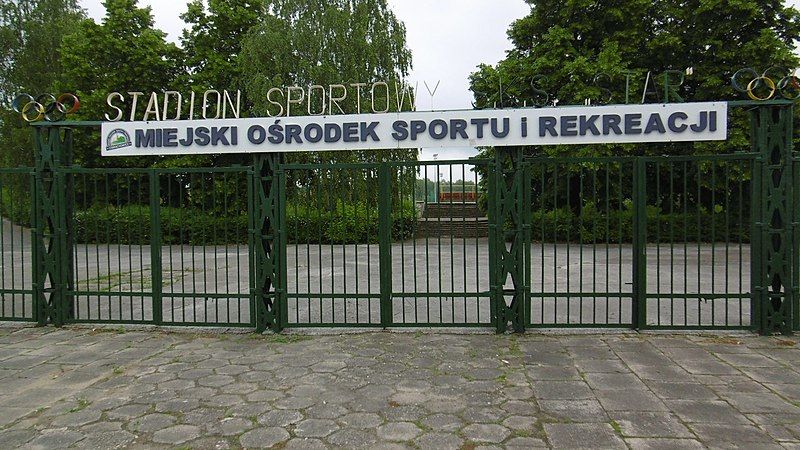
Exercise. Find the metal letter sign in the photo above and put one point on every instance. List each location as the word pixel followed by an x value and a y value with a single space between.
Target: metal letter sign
pixel 500 127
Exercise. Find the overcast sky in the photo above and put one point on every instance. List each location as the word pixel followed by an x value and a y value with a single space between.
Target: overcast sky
pixel 448 39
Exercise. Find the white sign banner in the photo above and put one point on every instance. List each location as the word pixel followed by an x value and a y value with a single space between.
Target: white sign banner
pixel 617 124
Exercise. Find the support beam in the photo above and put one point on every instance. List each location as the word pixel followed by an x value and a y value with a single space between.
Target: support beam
pixel 775 249
pixel 268 247
pixel 53 269
pixel 509 234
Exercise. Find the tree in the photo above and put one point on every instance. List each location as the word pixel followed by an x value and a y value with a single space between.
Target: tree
pixel 213 41
pixel 570 43
pixel 323 42
pixel 561 47
pixel 124 53
pixel 30 49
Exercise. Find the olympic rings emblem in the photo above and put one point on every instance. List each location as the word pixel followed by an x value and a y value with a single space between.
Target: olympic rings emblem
pixel 762 87
pixel 46 106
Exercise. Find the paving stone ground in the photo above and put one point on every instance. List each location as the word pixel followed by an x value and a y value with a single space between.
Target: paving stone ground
pixel 95 389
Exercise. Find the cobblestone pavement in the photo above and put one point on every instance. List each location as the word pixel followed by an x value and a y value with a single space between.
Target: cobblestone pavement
pixel 153 389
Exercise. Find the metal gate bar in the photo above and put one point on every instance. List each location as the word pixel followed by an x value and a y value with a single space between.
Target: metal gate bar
pixel 16 240
pixel 698 212
pixel 440 260
pixel 577 219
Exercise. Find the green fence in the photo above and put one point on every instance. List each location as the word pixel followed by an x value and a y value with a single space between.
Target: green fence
pixel 683 223
pixel 671 242
pixel 16 258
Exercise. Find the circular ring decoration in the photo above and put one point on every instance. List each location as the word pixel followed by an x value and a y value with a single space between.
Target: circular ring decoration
pixel 30 107
pixel 46 106
pixel 754 84
pixel 764 87
pixel 739 73
pixel 20 101
pixel 46 99
pixel 55 112
pixel 787 85
pixel 71 101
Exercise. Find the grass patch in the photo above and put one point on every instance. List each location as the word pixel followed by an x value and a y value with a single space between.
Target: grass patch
pixel 82 404
pixel 283 338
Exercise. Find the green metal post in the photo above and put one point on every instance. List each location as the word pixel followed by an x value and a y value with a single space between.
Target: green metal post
pixel 385 242
pixel 281 290
pixel 796 243
pixel 757 254
pixel 639 302
pixel 776 282
pixel 155 245
pixel 508 261
pixel 52 256
pixel 267 248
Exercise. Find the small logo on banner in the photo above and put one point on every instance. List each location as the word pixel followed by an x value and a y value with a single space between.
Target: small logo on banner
pixel 118 139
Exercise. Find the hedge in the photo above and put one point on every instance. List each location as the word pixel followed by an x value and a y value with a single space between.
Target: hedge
pixel 564 225
pixel 346 224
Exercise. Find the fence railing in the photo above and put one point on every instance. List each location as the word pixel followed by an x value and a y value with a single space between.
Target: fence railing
pixel 173 246
pixel 671 242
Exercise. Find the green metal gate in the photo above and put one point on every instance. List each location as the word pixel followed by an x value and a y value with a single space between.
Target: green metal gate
pixel 671 242
pixel 639 242
pixel 368 248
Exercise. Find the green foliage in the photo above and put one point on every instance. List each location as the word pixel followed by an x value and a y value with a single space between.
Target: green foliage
pixel 345 224
pixel 303 42
pixel 124 53
pixel 213 41
pixel 15 205
pixel 30 61
pixel 616 226
pixel 570 43
pixel 130 225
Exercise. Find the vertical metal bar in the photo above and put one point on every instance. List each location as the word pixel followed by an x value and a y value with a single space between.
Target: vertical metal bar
pixel 495 228
pixel 280 246
pixel 580 244
pixel 657 204
pixel 36 255
pixel 251 247
pixel 698 235
pixel 713 214
pixel 155 246
pixel 385 242
pixel 639 305
pixel 527 186
pixel 756 245
pixel 795 260
pixel 671 290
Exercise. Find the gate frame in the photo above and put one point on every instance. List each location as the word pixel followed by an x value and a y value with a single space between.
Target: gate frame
pixel 775 244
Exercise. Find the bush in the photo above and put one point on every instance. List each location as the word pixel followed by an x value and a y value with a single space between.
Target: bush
pixel 592 225
pixel 15 205
pixel 345 224
pixel 130 225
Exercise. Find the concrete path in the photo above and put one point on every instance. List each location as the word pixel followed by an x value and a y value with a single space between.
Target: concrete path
pixel 134 389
